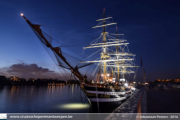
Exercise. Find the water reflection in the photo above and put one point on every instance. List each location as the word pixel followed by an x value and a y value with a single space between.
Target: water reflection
pixel 40 99
pixel 14 90
pixel 72 89
pixel 32 91
pixel 74 106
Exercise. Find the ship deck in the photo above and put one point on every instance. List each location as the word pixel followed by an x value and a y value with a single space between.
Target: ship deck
pixel 105 86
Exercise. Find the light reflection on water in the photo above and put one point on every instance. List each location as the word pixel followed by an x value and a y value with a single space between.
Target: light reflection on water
pixel 42 99
pixel 74 106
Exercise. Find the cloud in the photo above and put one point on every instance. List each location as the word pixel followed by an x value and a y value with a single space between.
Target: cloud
pixel 24 68
pixel 29 71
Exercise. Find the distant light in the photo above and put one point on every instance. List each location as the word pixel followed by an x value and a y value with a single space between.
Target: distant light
pixel 104 9
pixel 107 74
pixel 134 82
pixel 125 84
pixel 74 106
pixel 133 88
pixel 122 79
pixel 114 80
pixel 22 14
pixel 102 75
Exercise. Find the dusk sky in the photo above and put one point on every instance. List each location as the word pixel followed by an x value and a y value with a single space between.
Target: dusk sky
pixel 152 28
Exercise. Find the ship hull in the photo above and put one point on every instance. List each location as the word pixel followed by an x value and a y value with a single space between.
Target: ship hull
pixel 105 107
pixel 106 95
pixel 102 98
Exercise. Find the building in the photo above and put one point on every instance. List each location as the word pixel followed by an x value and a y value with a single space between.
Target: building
pixel 14 78
pixel 168 80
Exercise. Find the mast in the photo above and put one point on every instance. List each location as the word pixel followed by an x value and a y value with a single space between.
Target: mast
pixel 124 64
pixel 123 68
pixel 104 48
pixel 119 59
pixel 117 53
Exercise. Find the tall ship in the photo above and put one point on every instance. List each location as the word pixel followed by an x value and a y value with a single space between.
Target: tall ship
pixel 114 66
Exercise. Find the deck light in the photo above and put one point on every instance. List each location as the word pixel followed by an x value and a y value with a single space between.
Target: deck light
pixel 125 84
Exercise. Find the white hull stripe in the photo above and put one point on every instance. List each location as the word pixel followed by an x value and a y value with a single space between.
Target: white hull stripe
pixel 107 99
pixel 107 93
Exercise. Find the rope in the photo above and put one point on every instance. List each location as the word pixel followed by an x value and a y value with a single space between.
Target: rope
pixel 52 59
pixel 93 54
pixel 81 43
pixel 56 27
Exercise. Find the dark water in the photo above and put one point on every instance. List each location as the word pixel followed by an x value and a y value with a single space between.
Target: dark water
pixel 163 101
pixel 42 99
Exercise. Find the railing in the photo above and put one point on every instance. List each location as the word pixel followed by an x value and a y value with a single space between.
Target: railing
pixel 141 105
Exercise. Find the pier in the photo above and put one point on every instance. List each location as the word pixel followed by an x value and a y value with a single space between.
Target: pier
pixel 145 100
pixel 135 104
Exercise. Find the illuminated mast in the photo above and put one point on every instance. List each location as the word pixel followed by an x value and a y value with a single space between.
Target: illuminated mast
pixel 117 53
pixel 104 52
pixel 124 64
pixel 118 60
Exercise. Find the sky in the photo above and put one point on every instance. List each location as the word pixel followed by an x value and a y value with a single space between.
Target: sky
pixel 152 28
